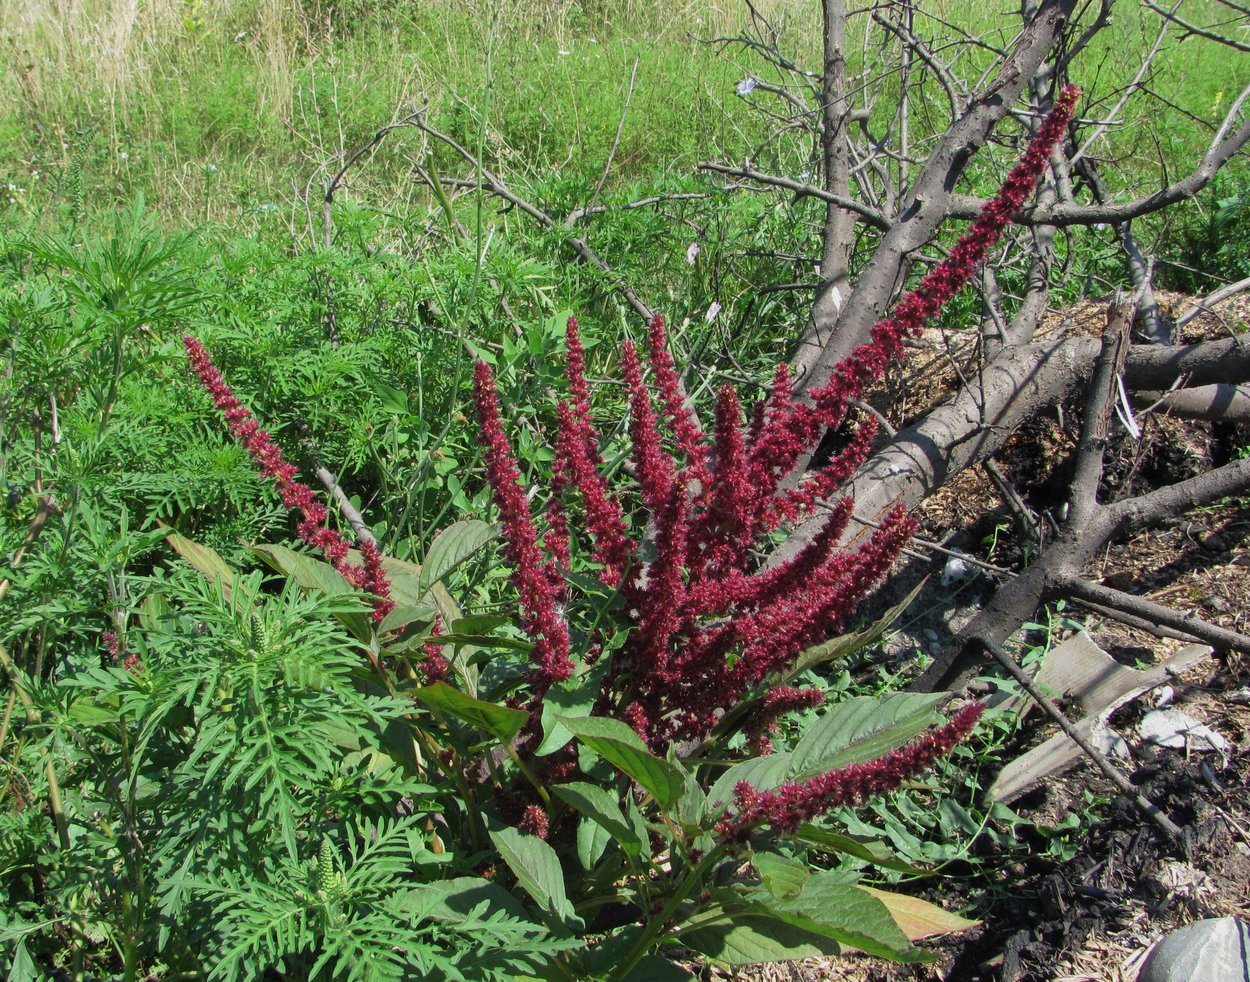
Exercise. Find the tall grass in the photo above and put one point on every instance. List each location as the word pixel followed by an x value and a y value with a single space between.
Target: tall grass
pixel 214 109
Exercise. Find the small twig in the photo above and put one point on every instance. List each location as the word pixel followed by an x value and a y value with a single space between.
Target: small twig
pixel 1205 305
pixel 492 183
pixel 327 203
pixel 577 214
pixel 1191 28
pixel 1025 517
pixel 869 215
pixel 1113 773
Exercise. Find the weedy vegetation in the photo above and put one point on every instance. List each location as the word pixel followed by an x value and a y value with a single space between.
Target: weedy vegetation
pixel 383 596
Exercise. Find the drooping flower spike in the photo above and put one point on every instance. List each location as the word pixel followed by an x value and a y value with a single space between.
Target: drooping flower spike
pixel 296 496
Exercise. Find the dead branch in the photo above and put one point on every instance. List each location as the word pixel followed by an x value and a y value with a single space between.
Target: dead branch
pixel 869 215
pixel 497 187
pixel 1194 29
pixel 828 341
pixel 1118 600
pixel 348 510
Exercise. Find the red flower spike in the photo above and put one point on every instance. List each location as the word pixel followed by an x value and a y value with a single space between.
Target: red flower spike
pixel 690 436
pixel 540 617
pixel 296 497
pixel 435 664
pixel 653 465
pixel 605 518
pixel 792 804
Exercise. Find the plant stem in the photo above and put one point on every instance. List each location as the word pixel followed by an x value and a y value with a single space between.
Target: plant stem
pixel 657 923
pixel 32 717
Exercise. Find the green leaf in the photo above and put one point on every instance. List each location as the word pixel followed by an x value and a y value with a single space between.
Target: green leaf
pixel 537 869
pixel 846 644
pixel 861 729
pixel 601 806
pixel 829 905
pixel 454 545
pixel 461 895
pixel 762 773
pixel 575 697
pixel 783 877
pixel 393 400
pixel 869 850
pixel 592 840
pixel 204 558
pixel 401 617
pixel 499 721
pixel 618 744
pixel 22 968
pixel 752 937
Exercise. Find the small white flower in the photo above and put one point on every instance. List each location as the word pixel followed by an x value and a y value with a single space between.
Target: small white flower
pixel 123 155
pixel 747 85
pixel 564 53
pixel 712 311
pixel 211 168
pixel 692 253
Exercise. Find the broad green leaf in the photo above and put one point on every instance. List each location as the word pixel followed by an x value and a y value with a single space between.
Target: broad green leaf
pixel 691 804
pixel 23 968
pixel 451 547
pixel 312 574
pixel 89 712
pixel 458 897
pixel 405 580
pixel 537 869
pixel 407 591
pixel 575 697
pixel 919 919
pixel 393 400
pixel 601 806
pixel 634 814
pixel 499 721
pixel 618 744
pixel 846 644
pixel 829 905
pixel 869 850
pixel 752 937
pixel 204 558
pixel 401 616
pixel 762 773
pixel 863 728
pixel 592 840
pixel 783 877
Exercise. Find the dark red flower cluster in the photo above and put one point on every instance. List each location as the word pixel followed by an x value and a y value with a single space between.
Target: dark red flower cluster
pixel 708 629
pixel 779 702
pixel 534 821
pixel 296 496
pixel 796 802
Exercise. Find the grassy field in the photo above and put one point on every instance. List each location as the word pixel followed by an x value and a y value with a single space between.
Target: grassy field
pixel 212 111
